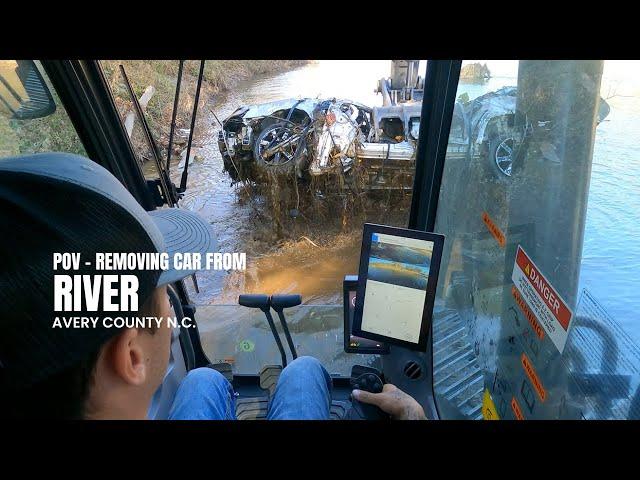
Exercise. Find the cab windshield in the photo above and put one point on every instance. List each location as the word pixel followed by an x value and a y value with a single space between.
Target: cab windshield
pixel 537 196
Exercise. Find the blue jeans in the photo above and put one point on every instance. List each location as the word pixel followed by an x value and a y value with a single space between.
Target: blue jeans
pixel 303 392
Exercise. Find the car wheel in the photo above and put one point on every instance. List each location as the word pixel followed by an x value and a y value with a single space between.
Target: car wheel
pixel 275 148
pixel 501 154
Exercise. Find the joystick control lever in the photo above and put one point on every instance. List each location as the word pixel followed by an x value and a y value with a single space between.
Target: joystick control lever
pixel 279 303
pixel 263 302
pixel 370 380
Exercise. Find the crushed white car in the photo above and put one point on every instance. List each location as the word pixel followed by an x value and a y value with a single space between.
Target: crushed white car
pixel 313 137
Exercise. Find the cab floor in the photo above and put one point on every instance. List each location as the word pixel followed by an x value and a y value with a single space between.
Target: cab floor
pixel 255 408
pixel 253 400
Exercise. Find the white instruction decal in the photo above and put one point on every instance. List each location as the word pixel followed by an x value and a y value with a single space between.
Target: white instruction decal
pixel 549 308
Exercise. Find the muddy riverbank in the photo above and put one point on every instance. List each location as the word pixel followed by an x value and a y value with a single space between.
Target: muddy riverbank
pixel 219 77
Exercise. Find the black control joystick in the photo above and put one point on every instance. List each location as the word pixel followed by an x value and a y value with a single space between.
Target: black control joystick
pixel 370 380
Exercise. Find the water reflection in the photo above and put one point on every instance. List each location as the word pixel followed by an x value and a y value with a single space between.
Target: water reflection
pixel 611 250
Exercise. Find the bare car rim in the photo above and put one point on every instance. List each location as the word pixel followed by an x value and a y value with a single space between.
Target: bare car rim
pixel 504 156
pixel 277 145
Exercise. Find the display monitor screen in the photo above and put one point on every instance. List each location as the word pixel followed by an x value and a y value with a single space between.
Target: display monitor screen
pixel 397 284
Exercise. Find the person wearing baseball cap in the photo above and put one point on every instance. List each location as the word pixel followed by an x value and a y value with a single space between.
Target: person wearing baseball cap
pixel 56 203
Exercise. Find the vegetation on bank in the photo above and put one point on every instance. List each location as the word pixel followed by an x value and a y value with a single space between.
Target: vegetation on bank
pixel 56 133
pixel 219 76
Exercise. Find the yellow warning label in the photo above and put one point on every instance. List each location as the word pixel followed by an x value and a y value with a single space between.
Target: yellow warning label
pixel 489 411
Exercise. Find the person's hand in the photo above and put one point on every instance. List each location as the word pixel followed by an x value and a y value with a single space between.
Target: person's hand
pixel 392 400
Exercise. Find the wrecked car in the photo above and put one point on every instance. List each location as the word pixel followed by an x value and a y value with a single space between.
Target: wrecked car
pixel 312 137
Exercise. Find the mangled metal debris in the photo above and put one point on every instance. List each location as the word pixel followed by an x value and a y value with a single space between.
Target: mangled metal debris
pixel 314 137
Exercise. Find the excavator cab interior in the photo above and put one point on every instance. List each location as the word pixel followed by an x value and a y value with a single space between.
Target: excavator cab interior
pixel 530 175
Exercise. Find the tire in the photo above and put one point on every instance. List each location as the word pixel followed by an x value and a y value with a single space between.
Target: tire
pixel 280 163
pixel 501 147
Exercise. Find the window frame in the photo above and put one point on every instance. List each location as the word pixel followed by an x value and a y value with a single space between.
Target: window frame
pixel 440 88
pixel 85 95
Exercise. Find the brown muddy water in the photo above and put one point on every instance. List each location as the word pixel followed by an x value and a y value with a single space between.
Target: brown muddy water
pixel 318 250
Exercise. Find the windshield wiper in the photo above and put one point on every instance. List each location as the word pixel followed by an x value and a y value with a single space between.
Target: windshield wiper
pixel 168 189
pixel 185 172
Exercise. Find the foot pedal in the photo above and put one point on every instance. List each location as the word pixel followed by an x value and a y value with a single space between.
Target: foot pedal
pixel 338 409
pixel 269 376
pixel 252 408
pixel 256 408
pixel 224 368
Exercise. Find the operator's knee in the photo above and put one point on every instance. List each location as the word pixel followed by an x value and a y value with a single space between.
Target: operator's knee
pixel 305 363
pixel 306 366
pixel 205 377
pixel 303 392
pixel 204 394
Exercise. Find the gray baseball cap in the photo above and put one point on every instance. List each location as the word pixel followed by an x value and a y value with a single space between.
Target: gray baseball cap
pixel 58 202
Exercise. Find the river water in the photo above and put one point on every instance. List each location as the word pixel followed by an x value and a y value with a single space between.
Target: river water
pixel 611 253
pixel 315 272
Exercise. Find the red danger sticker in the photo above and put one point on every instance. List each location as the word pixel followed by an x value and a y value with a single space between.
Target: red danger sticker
pixel 548 307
